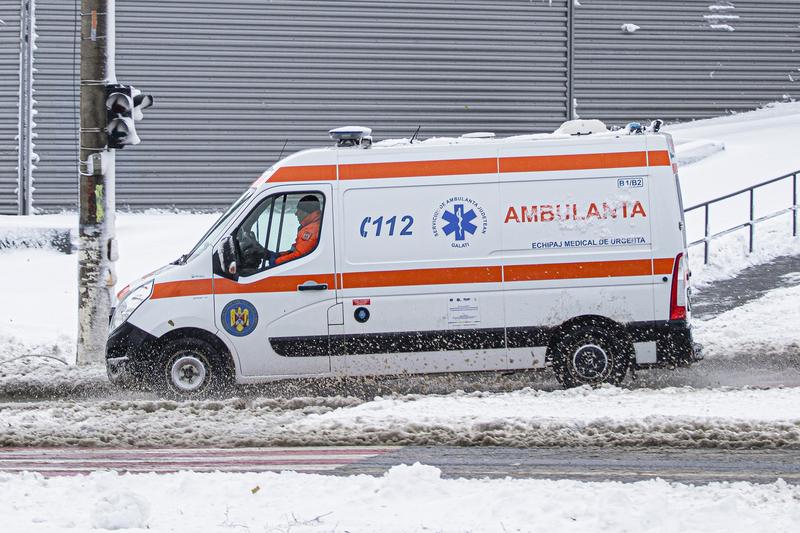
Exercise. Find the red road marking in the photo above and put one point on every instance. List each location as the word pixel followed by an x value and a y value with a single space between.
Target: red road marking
pixel 143 464
pixel 78 461
pixel 172 452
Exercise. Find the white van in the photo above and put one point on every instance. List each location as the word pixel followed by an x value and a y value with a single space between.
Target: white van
pixel 562 250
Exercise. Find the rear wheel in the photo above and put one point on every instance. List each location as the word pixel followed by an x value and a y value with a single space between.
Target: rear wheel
pixel 590 355
pixel 192 368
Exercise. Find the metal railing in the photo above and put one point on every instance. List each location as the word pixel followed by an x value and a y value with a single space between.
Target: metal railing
pixel 753 221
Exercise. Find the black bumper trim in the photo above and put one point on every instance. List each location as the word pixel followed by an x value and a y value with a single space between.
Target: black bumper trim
pixel 394 342
pixel 673 341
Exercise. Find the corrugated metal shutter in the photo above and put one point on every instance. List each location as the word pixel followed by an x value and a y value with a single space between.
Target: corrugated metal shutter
pixel 684 62
pixel 235 80
pixel 57 94
pixel 9 104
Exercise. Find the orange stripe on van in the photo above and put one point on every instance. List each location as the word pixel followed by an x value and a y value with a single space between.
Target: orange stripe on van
pixel 487 165
pixel 543 163
pixel 659 158
pixel 423 276
pixel 272 284
pixel 305 173
pixel 408 169
pixel 189 287
pixel 599 269
pixel 663 266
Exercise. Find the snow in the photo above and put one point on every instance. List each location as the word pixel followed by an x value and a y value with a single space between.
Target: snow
pixel 717 16
pixel 689 152
pixel 36 277
pixel 111 42
pixel 407 498
pixel 770 324
pixel 729 254
pixel 757 146
pixel 121 510
pixel 721 13
pixel 747 138
pixel 609 416
pixel 32 277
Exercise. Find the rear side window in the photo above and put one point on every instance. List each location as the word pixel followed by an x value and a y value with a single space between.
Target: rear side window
pixel 282 228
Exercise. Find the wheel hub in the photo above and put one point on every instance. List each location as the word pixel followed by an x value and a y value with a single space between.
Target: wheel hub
pixel 188 373
pixel 590 362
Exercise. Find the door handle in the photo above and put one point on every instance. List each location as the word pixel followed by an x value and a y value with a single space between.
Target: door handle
pixel 312 286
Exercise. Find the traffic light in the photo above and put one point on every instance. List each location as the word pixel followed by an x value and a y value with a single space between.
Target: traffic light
pixel 124 106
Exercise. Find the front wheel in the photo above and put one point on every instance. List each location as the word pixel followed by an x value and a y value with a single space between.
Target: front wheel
pixel 590 355
pixel 191 368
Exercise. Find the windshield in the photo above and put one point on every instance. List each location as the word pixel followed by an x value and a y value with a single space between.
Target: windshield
pixel 214 232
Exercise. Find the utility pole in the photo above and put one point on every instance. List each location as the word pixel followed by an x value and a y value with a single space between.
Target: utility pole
pixel 96 277
pixel 27 25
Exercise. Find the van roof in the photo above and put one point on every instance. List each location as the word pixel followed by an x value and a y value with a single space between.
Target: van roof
pixel 326 157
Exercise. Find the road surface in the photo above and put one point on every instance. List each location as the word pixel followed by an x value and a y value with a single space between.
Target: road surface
pixel 695 466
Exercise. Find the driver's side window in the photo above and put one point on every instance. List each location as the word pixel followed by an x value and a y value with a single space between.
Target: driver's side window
pixel 280 229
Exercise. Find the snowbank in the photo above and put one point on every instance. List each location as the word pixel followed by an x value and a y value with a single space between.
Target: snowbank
pixel 407 498
pixel 770 324
pixel 726 418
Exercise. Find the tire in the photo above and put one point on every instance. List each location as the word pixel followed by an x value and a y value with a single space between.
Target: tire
pixel 589 354
pixel 190 369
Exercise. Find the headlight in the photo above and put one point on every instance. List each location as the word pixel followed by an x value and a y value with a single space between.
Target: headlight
pixel 130 303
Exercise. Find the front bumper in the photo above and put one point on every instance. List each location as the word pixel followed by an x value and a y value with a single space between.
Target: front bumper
pixel 129 350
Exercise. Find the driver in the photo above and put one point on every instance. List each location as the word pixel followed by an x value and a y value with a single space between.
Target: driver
pixel 310 217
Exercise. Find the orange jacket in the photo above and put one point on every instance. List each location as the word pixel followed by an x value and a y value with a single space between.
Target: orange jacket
pixel 307 238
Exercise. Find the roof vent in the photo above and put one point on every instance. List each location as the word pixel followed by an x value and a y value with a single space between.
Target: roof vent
pixel 352 136
pixel 581 127
pixel 478 135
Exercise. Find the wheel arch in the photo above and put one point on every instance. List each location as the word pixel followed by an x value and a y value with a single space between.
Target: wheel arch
pixel 204 335
pixel 582 321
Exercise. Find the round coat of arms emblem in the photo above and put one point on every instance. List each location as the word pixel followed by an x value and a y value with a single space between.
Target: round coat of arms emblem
pixel 239 318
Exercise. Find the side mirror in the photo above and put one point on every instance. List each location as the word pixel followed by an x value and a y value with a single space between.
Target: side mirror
pixel 225 257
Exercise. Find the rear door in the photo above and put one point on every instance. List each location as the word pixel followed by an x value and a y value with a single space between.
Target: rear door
pixel 277 315
pixel 669 233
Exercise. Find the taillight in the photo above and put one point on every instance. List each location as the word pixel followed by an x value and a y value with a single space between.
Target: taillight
pixel 677 299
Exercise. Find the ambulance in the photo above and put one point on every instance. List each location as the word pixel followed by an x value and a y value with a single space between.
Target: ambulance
pixel 564 251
